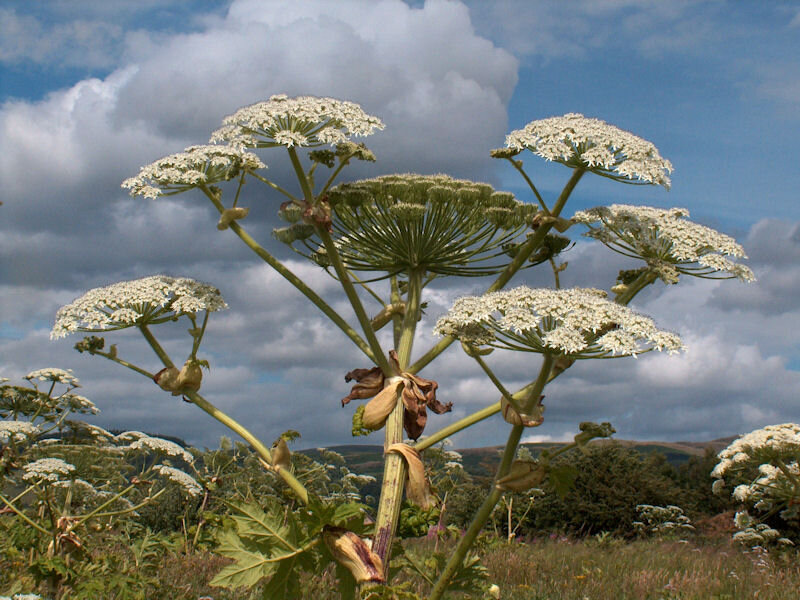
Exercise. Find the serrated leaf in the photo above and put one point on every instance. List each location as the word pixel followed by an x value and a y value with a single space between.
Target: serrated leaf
pixel 256 524
pixel 345 513
pixel 250 565
pixel 285 583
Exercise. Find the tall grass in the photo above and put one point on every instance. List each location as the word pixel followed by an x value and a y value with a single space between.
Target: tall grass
pixel 554 568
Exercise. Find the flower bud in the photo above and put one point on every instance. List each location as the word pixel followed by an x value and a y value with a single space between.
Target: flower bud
pixel 523 475
pixel 189 377
pixel 231 214
pixel 383 317
pixel 167 379
pixel 352 552
pixel 281 457
pixel 290 212
pixel 473 351
pixel 620 288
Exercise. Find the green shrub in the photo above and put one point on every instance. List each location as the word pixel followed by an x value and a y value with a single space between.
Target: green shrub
pixel 610 482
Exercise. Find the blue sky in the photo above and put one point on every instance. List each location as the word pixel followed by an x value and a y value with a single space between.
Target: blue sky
pixel 90 91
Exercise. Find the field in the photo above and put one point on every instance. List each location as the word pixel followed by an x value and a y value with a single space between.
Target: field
pixel 705 566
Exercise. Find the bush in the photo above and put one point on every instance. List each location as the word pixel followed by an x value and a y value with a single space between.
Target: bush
pixel 610 482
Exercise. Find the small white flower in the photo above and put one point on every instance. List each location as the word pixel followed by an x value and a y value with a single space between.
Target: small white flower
pixel 55 375
pixel 127 436
pixel 47 469
pixel 577 322
pixel 759 447
pixel 161 446
pixel 196 165
pixel 17 430
pixel 301 121
pixel 580 142
pixel 666 240
pixel 152 299
pixel 183 479
pixel 78 485
pixel 80 404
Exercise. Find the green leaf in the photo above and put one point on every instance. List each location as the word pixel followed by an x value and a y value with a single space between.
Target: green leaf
pixel 345 515
pixel 347 583
pixel 250 566
pixel 285 583
pixel 254 523
pixel 562 477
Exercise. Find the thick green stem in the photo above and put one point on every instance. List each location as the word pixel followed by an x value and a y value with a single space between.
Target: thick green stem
pixel 308 193
pixel 521 395
pixel 524 253
pixel 220 416
pixel 108 502
pixel 342 164
pixel 394 470
pixel 162 354
pixel 274 186
pixel 788 473
pixel 297 487
pixel 636 286
pixel 454 428
pixel 23 516
pixel 124 363
pixel 352 295
pixel 503 391
pixel 397 320
pixel 287 274
pixel 485 511
pixel 132 508
pixel 518 166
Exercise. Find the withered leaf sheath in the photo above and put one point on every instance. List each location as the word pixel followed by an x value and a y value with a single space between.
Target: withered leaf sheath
pixel 510 414
pixel 418 489
pixel 380 407
pixel 352 552
pixel 418 394
pixel 523 475
pixel 368 383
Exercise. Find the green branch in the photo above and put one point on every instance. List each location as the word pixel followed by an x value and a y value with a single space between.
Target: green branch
pixel 298 283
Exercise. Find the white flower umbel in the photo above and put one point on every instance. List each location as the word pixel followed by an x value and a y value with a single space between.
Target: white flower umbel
pixel 144 301
pixel 301 121
pixel 762 446
pixel 194 166
pixel 666 240
pixel 580 323
pixel 775 450
pixel 130 436
pixel 186 481
pixel 580 142
pixel 78 404
pixel 55 375
pixel 162 447
pixel 47 469
pixel 17 430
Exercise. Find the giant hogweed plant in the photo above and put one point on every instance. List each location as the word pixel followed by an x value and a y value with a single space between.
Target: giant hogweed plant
pixel 63 480
pixel 385 240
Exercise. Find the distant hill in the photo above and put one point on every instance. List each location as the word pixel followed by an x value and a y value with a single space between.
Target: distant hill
pixel 482 462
